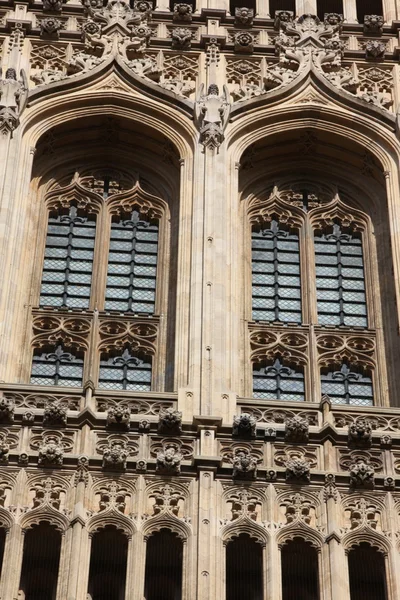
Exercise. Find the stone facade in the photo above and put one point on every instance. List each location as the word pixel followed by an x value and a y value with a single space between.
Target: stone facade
pixel 198 124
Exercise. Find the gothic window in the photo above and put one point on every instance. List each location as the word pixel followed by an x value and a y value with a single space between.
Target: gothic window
pixel 329 6
pixel 132 265
pixel 275 5
pixel 125 371
pixel 368 7
pixel 40 563
pixel 244 569
pixel 164 566
pixel 278 381
pixel 276 274
pixel 68 260
pixel 299 564
pixel 57 366
pixel 3 536
pixel 108 562
pixel 340 278
pixel 367 573
pixel 347 385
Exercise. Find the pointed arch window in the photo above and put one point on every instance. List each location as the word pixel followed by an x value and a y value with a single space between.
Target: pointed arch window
pixel 278 381
pixel 367 573
pixel 348 385
pixel 108 562
pixel 125 371
pixel 164 566
pixel 276 287
pixel 299 563
pixel 57 365
pixel 40 564
pixel 244 569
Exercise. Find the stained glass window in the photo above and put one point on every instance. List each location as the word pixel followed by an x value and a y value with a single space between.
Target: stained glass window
pixel 276 288
pixel 132 265
pixel 348 385
pixel 58 367
pixel 125 372
pixel 278 381
pixel 340 278
pixel 68 261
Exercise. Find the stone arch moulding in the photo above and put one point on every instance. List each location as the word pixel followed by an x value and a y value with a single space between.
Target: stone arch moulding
pixel 49 515
pixel 303 531
pixel 170 522
pixel 371 537
pixel 112 518
pixel 247 526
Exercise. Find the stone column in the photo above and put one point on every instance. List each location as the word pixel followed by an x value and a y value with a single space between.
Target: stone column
pixel 262 8
pixel 206 523
pixel 304 7
pixel 12 563
pixel 339 571
pixel 76 558
pixel 350 11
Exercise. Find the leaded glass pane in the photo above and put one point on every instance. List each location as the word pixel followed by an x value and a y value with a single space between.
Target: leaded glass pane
pixel 125 372
pixel 348 386
pixel 132 265
pixel 278 382
pixel 276 274
pixel 57 368
pixel 340 279
pixel 68 261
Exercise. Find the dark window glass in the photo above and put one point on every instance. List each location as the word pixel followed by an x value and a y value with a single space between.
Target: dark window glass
pixel 368 7
pixel 41 557
pixel 68 261
pixel 163 576
pixel 244 569
pixel 367 573
pixel 275 5
pixel 278 382
pixel 299 571
pixel 347 386
pixel 125 372
pixel 108 558
pixel 132 265
pixel 276 275
pixel 340 278
pixel 57 367
pixel 329 6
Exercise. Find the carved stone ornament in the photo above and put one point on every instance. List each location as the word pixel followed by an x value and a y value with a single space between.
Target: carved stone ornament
pixel 374 49
pixel 169 460
pixel 13 94
pixel 271 475
pixel 53 5
pixel 244 16
pixel 373 24
pixel 181 38
pixel 211 115
pixel 118 417
pixel 112 496
pixel 55 413
pixel 115 455
pixel 386 441
pixel 143 6
pixel 48 492
pixel 244 425
pixel 362 474
pixel 183 12
pixel 244 42
pixel 363 514
pixel 297 429
pixel 333 19
pixel 330 489
pixel 167 499
pixel 7 408
pixel 50 27
pixel 282 16
pixel 140 37
pixel 298 469
pixel 170 421
pixel 51 452
pixel 244 464
pixel 360 433
pixel 389 483
pixel 4 450
pixel 141 466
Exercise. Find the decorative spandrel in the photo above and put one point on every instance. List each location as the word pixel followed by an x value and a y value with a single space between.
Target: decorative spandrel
pixel 278 381
pixel 59 367
pixel 348 385
pixel 132 265
pixel 276 288
pixel 125 372
pixel 68 260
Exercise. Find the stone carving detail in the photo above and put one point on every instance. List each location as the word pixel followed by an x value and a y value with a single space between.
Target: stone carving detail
pixel 4 448
pixel 211 115
pixel 244 42
pixel 373 24
pixel 330 489
pixel 297 429
pixel 244 464
pixel 362 474
pixel 169 460
pixel 244 16
pixel 389 483
pixel 375 50
pixel 244 503
pixel 115 455
pixel 170 421
pixel 50 27
pixel 299 508
pixel 360 433
pixel 282 17
pixel 55 413
pixel 112 496
pixel 244 425
pixel 182 12
pixel 7 407
pixel 48 491
pixel 167 499
pixel 13 94
pixel 53 5
pixel 51 452
pixel 118 417
pixel 386 441
pixel 181 38
pixel 363 513
pixel 298 469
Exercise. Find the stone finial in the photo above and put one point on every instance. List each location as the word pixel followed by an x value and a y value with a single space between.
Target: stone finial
pixel 244 425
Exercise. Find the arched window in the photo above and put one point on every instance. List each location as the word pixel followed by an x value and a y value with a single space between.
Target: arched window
pixel 299 564
pixel 347 385
pixel 367 573
pixel 278 381
pixel 108 562
pixel 3 535
pixel 40 563
pixel 233 4
pixel 329 6
pixel 244 569
pixel 368 7
pixel 276 289
pixel 275 5
pixel 125 371
pixel 164 562
pixel 58 365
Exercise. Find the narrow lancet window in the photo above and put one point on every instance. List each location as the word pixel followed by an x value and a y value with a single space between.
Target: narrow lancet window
pixel 278 381
pixel 276 274
pixel 108 562
pixel 68 260
pixel 244 569
pixel 340 278
pixel 57 366
pixel 367 573
pixel 368 7
pixel 299 562
pixel 348 385
pixel 164 560
pixel 132 265
pixel 41 557
pixel 125 371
